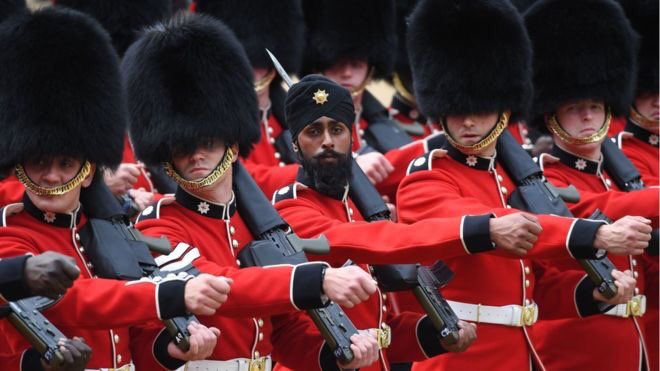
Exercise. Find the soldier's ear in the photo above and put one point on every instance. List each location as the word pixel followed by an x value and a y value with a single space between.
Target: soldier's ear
pixel 234 148
pixel 295 146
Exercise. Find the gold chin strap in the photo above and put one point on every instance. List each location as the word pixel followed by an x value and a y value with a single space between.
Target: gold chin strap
pixel 217 173
pixel 486 141
pixel 360 88
pixel 555 127
pixel 264 82
pixel 403 92
pixel 642 120
pixel 60 190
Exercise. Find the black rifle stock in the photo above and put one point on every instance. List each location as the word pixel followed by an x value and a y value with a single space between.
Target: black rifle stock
pixel 119 251
pixel 618 166
pixel 534 194
pixel 401 277
pixel 276 244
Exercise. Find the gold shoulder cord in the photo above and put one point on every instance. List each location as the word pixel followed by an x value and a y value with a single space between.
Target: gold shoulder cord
pixel 403 92
pixel 474 149
pixel 217 173
pixel 643 121
pixel 555 128
pixel 84 171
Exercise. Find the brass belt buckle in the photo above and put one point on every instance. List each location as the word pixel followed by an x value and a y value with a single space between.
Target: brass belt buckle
pixel 258 364
pixel 528 315
pixel 634 307
pixel 384 335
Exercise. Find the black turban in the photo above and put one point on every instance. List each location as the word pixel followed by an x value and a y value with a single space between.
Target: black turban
pixel 316 96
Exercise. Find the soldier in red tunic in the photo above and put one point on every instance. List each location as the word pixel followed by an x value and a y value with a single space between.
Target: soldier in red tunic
pixel 462 81
pixel 584 74
pixel 193 107
pixel 62 103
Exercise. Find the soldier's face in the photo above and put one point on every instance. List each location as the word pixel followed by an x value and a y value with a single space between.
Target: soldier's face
pixel 648 106
pixel 349 73
pixel 324 140
pixel 199 163
pixel 470 129
pixel 581 119
pixel 52 172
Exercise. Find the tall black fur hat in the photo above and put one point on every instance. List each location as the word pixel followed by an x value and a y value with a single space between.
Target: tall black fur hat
pixel 259 24
pixel 60 89
pixel 403 10
pixel 582 49
pixel 469 56
pixel 9 7
pixel 123 19
pixel 338 29
pixel 643 14
pixel 189 79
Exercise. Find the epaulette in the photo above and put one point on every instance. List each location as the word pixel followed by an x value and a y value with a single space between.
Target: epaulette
pixel 153 211
pixel 545 158
pixel 10 210
pixel 289 192
pixel 425 161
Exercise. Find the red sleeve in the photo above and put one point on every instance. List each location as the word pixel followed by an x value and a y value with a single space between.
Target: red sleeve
pixel 96 303
pixel 271 178
pixel 248 297
pixel 614 204
pixel 562 294
pixel 381 242
pixel 426 194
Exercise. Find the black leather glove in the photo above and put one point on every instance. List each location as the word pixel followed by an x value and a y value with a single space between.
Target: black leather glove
pixel 50 274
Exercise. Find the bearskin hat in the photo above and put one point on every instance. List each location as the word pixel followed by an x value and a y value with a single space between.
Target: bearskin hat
pixel 339 29
pixel 260 24
pixel 60 89
pixel 643 14
pixel 123 19
pixel 469 56
pixel 403 10
pixel 9 7
pixel 582 49
pixel 189 79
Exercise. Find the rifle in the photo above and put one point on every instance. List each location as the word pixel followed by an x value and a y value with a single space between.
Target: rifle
pixel 382 133
pixel 25 315
pixel 534 194
pixel 119 251
pixel 276 244
pixel 423 281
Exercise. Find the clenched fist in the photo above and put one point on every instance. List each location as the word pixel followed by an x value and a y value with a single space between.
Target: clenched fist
pixel 205 293
pixel 348 286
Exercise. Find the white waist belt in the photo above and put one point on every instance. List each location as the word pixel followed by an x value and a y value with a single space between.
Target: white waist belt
pixel 508 315
pixel 635 307
pixel 128 367
pixel 236 364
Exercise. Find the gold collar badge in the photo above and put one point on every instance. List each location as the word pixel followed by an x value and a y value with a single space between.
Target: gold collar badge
pixel 320 97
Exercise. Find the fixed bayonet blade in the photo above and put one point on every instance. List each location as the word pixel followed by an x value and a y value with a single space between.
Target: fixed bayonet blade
pixel 280 69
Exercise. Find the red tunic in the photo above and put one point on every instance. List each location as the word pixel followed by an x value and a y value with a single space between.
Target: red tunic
pixel 143 180
pixel 616 343
pixel 310 214
pixel 616 126
pixel 219 233
pixel 642 150
pixel 99 310
pixel 455 184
